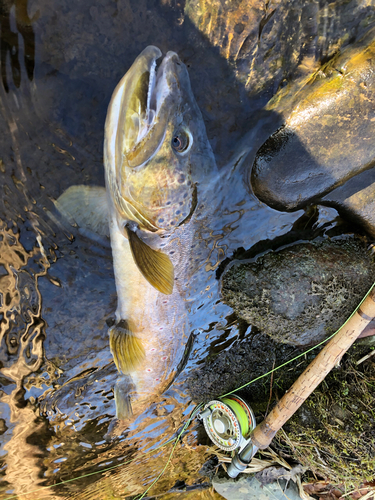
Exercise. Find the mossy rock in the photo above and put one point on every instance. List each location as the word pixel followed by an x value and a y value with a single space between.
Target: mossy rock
pixel 301 294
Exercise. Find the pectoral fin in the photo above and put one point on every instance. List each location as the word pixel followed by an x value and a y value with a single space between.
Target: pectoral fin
pixel 126 348
pixel 85 206
pixel 155 266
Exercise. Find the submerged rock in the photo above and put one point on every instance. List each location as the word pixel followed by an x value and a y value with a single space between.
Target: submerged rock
pixel 301 294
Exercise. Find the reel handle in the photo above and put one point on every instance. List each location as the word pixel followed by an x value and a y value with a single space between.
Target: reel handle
pixel 317 370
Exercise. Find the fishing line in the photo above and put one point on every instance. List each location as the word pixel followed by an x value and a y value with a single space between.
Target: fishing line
pixel 241 415
pixel 192 415
pixel 169 441
pixel 69 480
pixel 303 353
pixel 194 412
pixel 234 406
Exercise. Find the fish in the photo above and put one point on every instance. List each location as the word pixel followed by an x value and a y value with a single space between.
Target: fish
pixel 159 167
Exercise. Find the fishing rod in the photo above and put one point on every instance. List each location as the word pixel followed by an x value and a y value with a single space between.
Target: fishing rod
pixel 230 422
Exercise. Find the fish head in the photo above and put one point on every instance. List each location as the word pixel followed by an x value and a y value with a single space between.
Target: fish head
pixel 156 149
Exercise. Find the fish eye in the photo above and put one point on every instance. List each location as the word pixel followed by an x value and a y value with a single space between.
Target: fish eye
pixel 181 141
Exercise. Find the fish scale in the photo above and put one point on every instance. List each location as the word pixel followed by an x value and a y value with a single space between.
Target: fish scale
pixel 155 179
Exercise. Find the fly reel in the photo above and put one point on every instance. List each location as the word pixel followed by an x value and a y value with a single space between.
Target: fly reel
pixel 229 422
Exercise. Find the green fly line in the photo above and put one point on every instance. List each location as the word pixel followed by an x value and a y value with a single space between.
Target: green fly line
pixel 193 414
pixel 169 441
pixel 303 353
pixel 240 414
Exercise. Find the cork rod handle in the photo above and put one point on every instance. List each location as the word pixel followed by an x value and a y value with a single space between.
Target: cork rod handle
pixel 317 370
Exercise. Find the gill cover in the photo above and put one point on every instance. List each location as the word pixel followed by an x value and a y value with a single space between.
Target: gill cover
pixel 134 131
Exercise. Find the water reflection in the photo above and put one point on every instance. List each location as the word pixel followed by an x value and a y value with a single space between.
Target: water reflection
pixel 57 287
pixel 22 333
pixel 14 21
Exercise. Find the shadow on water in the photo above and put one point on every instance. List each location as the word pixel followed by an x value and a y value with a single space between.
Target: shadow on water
pixel 15 22
pixel 60 63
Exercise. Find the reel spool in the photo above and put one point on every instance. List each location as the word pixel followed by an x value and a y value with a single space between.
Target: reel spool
pixel 229 422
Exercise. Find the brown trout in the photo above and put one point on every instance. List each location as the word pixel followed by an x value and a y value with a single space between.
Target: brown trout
pixel 158 165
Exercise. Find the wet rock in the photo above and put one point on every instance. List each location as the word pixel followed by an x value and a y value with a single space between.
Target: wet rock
pixel 247 486
pixel 247 360
pixel 355 200
pixel 268 43
pixel 329 123
pixel 301 294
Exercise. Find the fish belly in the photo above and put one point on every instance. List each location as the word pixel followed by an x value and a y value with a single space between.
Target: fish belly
pixel 159 321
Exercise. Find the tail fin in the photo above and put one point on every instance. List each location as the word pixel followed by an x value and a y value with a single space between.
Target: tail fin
pixel 122 391
pixel 126 348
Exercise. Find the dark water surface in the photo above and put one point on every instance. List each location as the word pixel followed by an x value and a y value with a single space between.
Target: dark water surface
pixel 60 61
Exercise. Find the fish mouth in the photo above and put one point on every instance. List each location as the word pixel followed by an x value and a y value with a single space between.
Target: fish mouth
pixel 141 129
pixel 136 125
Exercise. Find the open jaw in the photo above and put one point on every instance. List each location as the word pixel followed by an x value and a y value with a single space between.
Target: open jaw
pixel 158 90
pixel 143 115
pixel 137 122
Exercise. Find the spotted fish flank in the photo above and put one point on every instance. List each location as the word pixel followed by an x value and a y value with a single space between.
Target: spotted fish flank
pixel 158 164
